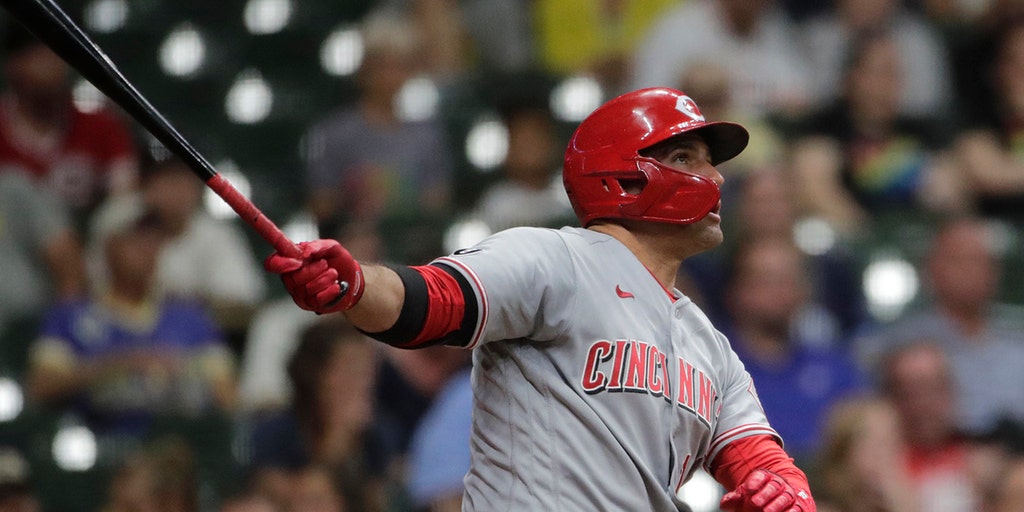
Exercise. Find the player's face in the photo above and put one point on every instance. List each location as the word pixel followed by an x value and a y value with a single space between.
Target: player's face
pixel 690 153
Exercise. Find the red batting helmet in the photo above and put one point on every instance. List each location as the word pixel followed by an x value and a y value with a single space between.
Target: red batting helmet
pixel 606 148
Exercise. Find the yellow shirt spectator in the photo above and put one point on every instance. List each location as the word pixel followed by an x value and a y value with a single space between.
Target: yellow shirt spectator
pixel 588 35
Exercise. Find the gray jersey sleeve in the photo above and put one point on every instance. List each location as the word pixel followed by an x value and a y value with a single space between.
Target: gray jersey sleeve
pixel 742 414
pixel 522 279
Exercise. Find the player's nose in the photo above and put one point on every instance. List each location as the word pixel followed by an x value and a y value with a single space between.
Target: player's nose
pixel 710 172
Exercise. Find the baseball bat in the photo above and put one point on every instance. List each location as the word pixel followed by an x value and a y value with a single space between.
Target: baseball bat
pixel 47 21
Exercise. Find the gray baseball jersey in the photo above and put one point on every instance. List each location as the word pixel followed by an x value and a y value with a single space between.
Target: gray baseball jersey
pixel 595 388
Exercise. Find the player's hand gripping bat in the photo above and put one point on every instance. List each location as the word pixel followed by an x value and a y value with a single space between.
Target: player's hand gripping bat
pixel 54 27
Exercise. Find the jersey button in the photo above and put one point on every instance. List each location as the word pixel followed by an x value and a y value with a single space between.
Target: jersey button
pixel 679 313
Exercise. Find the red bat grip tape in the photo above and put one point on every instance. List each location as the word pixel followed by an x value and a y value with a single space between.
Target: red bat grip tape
pixel 253 216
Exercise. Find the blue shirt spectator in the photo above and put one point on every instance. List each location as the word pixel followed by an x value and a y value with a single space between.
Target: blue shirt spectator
pixel 797 390
pixel 124 355
pixel 797 379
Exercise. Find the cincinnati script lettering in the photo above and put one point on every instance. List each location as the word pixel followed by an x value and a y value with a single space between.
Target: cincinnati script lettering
pixel 638 367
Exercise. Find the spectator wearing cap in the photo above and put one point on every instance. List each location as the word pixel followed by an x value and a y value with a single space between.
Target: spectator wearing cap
pixel 204 258
pixel 123 354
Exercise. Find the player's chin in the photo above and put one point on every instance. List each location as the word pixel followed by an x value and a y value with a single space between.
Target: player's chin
pixel 710 231
pixel 705 234
pixel 712 237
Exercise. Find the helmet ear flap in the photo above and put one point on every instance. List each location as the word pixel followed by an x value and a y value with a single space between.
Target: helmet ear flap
pixel 633 186
pixel 650 175
pixel 620 186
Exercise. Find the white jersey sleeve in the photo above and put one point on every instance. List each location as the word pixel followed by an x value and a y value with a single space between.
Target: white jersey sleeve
pixel 522 279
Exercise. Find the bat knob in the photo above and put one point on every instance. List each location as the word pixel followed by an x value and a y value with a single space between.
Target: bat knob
pixel 344 289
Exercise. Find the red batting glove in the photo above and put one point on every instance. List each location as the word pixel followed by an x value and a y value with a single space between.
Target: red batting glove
pixel 327 279
pixel 764 491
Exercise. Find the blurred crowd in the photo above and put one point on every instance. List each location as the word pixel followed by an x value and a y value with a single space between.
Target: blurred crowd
pixel 879 128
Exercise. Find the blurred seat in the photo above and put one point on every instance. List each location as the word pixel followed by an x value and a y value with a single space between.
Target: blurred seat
pixel 15 337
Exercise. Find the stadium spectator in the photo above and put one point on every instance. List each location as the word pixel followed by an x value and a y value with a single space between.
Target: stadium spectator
pixel 247 502
pixel 765 209
pixel 797 378
pixel 973 43
pixel 593 37
pixel 860 158
pixel 80 156
pixel 988 148
pixel 403 390
pixel 446 54
pixel 752 39
pixel 710 81
pixel 859 465
pixel 999 464
pixel 203 258
pixel 41 258
pixel 984 344
pixel 274 332
pixel 332 372
pixel 939 459
pixel 273 335
pixel 366 164
pixel 159 476
pixel 953 13
pixel 313 489
pixel 1009 492
pixel 529 191
pixel 501 36
pixel 925 87
pixel 123 355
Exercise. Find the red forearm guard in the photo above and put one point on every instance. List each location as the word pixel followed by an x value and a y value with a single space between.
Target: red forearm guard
pixel 740 458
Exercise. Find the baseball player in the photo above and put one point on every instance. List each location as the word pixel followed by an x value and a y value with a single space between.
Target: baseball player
pixel 597 384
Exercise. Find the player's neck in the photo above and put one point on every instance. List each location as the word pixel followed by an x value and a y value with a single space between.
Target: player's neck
pixel 663 264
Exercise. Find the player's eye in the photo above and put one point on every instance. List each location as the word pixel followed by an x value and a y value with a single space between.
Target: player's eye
pixel 681 156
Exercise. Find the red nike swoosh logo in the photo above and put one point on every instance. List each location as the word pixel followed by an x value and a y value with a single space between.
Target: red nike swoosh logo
pixel 620 293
